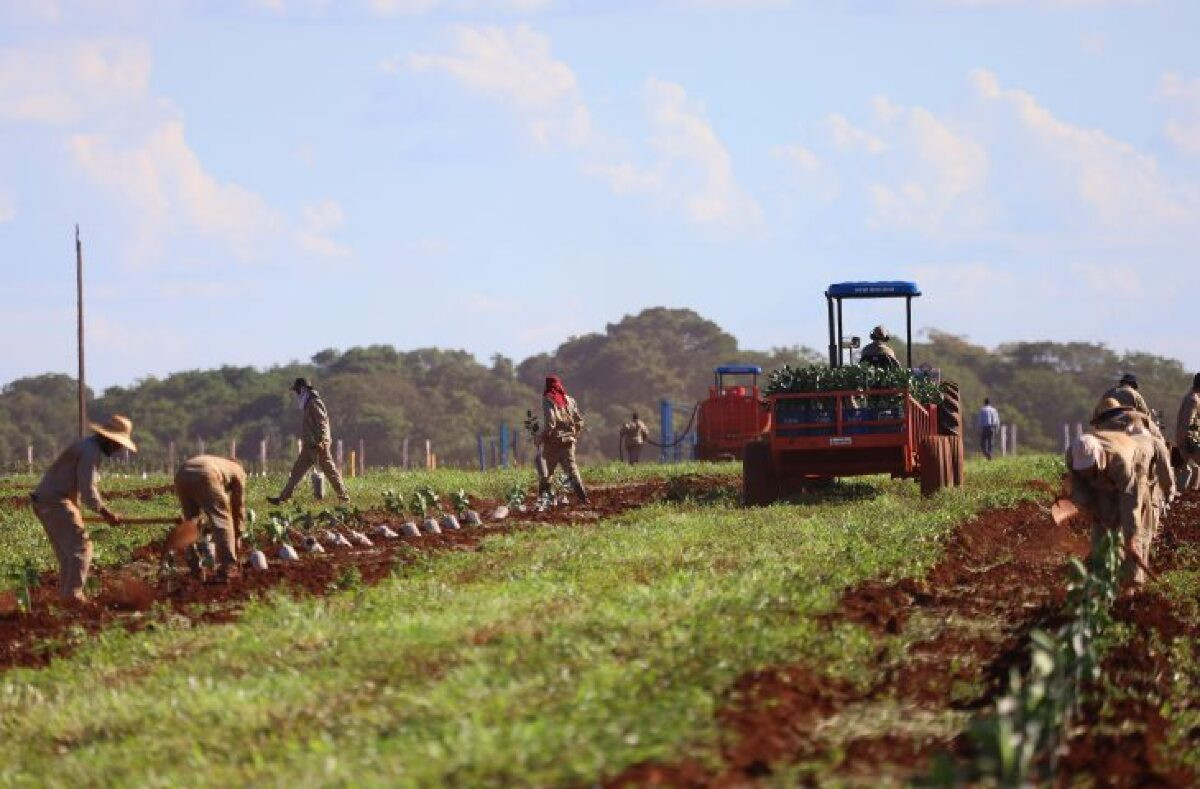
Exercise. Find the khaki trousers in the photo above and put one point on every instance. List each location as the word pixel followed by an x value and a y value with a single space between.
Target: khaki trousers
pixel 72 547
pixel 318 456
pixel 633 453
pixel 559 454
pixel 204 492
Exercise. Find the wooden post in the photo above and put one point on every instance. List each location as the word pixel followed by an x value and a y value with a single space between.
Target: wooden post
pixel 29 457
pixel 1013 440
pixel 1079 430
pixel 79 327
pixel 433 461
pixel 233 449
pixel 362 458
pixel 200 441
pixel 352 463
pixel 170 457
pixel 428 454
pixel 494 463
pixel 262 457
pixel 299 446
pixel 341 457
pixel 1003 440
pixel 1066 437
pixel 404 453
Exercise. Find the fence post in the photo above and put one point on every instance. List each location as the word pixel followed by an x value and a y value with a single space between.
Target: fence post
pixel 362 458
pixel 353 465
pixel 504 445
pixel 170 457
pixel 404 453
pixel 666 430
pixel 492 444
pixel 1078 430
pixel 1066 437
pixel 428 454
pixel 233 449
pixel 200 443
pixel 29 457
pixel 1003 440
pixel 1013 440
pixel 341 455
pixel 262 457
pixel 479 448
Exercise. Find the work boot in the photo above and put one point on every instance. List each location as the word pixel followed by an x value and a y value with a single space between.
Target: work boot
pixel 276 500
pixel 226 573
pixel 580 492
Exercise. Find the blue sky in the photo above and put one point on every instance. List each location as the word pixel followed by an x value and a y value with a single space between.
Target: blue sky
pixel 259 180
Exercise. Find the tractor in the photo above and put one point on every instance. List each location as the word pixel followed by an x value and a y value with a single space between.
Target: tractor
pixel 817 436
pixel 732 415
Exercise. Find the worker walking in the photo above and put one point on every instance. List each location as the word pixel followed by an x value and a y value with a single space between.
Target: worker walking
pixel 315 443
pixel 989 425
pixel 214 487
pixel 877 352
pixel 633 436
pixel 1187 437
pixel 70 481
pixel 561 425
pixel 1126 393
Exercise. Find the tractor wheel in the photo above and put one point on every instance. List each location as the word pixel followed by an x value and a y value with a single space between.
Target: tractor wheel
pixel 758 478
pixel 950 418
pixel 936 456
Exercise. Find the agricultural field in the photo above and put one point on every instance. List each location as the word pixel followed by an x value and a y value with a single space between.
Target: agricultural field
pixel 852 634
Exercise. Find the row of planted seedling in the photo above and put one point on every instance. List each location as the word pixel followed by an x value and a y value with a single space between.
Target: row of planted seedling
pixel 1017 742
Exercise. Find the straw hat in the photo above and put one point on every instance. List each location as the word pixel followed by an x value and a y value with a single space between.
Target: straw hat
pixel 1109 407
pixel 117 428
pixel 880 334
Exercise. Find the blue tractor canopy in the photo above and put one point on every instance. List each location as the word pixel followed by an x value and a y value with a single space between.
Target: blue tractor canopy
pixel 723 370
pixel 890 289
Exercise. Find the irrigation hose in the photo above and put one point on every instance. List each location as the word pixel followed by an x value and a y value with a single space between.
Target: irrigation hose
pixel 682 435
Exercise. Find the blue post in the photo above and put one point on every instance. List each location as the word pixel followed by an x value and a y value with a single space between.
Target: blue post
pixel 479 446
pixel 667 429
pixel 504 445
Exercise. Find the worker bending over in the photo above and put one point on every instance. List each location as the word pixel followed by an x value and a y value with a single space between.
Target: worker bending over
pixel 633 435
pixel 878 353
pixel 70 480
pixel 1126 393
pixel 215 487
pixel 315 443
pixel 561 425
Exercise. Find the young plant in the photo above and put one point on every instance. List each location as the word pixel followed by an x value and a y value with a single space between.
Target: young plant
pixel 460 501
pixel 24 580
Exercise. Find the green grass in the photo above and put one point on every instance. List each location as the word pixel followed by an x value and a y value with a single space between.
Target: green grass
pixel 551 655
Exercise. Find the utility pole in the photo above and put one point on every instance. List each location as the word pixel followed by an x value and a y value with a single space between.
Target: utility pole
pixel 79 310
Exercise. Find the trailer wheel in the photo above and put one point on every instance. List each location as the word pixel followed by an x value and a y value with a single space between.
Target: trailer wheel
pixel 758 478
pixel 950 418
pixel 936 456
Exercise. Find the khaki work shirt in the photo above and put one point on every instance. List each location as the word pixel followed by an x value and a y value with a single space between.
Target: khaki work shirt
pixel 225 474
pixel 876 352
pixel 316 421
pixel 72 477
pixel 562 424
pixel 634 433
pixel 1189 410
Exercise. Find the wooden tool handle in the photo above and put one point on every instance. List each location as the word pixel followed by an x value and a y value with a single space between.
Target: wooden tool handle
pixel 154 521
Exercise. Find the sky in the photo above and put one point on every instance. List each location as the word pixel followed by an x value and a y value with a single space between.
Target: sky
pixel 258 180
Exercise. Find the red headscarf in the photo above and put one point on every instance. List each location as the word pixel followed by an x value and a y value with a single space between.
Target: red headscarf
pixel 554 390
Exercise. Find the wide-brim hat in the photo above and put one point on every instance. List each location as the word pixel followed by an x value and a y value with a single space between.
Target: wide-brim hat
pixel 300 384
pixel 118 429
pixel 1109 407
pixel 881 334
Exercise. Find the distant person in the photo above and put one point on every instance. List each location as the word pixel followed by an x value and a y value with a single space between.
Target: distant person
pixel 633 435
pixel 561 425
pixel 215 487
pixel 877 352
pixel 70 480
pixel 1187 437
pixel 989 426
pixel 315 442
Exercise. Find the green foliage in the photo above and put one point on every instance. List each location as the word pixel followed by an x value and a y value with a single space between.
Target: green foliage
pixel 460 501
pixel 854 377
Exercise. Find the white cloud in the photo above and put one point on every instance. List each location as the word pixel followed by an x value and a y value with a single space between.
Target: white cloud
pixel 64 83
pixel 166 189
pixel 517 67
pixel 847 136
pixel 690 170
pixel 318 221
pixel 1121 185
pixel 799 155
pixel 1184 95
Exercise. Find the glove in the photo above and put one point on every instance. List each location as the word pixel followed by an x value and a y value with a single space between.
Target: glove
pixel 110 517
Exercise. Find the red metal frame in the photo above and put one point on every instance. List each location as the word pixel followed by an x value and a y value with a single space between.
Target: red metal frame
pixel 843 451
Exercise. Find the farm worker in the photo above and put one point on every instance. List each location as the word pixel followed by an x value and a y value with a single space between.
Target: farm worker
pixel 215 487
pixel 561 426
pixel 1126 393
pixel 315 443
pixel 633 435
pixel 877 352
pixel 70 480
pixel 989 424
pixel 1187 436
pixel 1109 472
pixel 1111 415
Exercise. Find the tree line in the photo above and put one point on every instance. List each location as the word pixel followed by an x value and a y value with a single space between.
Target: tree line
pixel 380 395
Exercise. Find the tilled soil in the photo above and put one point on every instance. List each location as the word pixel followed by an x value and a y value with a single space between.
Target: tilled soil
pixel 968 619
pixel 1126 743
pixel 128 593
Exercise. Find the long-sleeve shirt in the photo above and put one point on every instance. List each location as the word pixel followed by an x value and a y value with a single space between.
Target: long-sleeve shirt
pixel 72 477
pixel 561 423
pixel 634 433
pixel 1189 409
pixel 222 474
pixel 988 417
pixel 316 421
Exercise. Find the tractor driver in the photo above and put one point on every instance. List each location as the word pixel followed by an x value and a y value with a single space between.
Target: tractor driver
pixel 877 353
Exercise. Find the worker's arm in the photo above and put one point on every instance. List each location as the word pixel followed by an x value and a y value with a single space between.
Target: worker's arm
pixel 85 481
pixel 316 422
pixel 237 503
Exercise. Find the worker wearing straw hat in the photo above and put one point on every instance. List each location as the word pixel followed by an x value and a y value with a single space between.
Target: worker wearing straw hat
pixel 315 443
pixel 216 487
pixel 1187 436
pixel 1126 393
pixel 878 353
pixel 71 480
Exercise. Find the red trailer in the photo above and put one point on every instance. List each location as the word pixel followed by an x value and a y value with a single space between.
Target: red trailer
pixel 822 435
pixel 732 416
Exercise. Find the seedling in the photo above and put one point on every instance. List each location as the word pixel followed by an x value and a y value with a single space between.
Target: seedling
pixel 394 503
pixel 24 581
